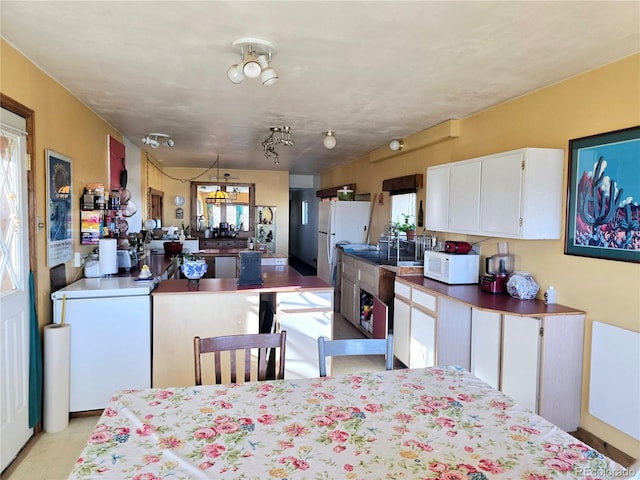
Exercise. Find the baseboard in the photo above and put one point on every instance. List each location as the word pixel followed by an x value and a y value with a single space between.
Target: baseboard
pixel 603 447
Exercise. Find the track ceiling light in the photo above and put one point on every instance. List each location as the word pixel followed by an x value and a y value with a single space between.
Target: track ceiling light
pixel 255 58
pixel 154 139
pixel 278 135
pixel 329 139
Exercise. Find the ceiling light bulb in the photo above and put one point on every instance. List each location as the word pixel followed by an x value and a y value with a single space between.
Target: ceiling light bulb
pixel 251 67
pixel 170 142
pixel 396 145
pixel 329 139
pixel 153 143
pixel 235 74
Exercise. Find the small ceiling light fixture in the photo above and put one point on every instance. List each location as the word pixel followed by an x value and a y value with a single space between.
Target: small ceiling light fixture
pixel 329 139
pixel 255 59
pixel 154 139
pixel 396 145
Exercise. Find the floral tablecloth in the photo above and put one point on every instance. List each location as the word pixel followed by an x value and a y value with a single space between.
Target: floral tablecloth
pixel 403 424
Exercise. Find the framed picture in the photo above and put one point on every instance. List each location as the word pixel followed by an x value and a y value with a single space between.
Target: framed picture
pixel 60 196
pixel 603 211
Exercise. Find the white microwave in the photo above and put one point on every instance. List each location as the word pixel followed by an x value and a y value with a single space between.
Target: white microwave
pixel 452 268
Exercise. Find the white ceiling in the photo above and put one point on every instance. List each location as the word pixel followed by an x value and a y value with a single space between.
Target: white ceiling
pixel 370 70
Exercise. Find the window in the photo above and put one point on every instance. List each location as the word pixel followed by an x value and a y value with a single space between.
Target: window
pixel 403 204
pixel 305 212
pixel 215 203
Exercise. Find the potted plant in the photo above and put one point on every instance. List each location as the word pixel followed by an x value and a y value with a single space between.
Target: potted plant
pixel 407 226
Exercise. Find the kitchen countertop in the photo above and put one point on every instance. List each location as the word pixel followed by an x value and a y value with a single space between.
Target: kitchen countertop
pixel 276 278
pixel 472 295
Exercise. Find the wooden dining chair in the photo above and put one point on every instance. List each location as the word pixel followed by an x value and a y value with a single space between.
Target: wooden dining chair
pixel 354 346
pixel 262 342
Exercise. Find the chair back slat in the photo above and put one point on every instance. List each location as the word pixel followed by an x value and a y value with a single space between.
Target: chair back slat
pixel 354 346
pixel 262 343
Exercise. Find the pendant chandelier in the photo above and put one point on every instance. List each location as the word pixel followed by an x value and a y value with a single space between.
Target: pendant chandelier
pixel 219 197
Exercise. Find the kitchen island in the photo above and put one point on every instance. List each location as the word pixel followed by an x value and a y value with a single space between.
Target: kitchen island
pixel 302 305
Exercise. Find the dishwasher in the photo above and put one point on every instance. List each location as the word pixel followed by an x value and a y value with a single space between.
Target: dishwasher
pixel 110 337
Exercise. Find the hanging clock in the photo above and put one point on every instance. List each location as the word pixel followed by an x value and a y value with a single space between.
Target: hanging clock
pixel 178 201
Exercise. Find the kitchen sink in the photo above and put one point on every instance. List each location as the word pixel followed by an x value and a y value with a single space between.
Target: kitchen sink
pixel 379 257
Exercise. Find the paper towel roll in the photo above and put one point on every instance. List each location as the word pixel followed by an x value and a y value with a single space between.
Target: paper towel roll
pixel 108 256
pixel 56 377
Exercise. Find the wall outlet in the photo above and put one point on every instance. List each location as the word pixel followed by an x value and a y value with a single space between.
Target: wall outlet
pixel 78 259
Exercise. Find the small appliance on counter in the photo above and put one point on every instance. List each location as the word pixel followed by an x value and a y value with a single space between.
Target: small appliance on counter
pixel 453 268
pixel 498 268
pixel 457 247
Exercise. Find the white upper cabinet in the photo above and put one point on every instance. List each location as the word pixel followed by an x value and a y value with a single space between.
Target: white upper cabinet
pixel 437 217
pixel 521 194
pixel 515 194
pixel 464 196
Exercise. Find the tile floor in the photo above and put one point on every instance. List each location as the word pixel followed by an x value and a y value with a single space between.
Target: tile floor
pixel 51 456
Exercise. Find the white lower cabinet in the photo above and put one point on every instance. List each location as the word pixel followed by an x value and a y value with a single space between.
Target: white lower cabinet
pixel 520 359
pixel 348 300
pixel 401 330
pixel 305 316
pixel 486 328
pixel 537 361
pixel 430 329
pixel 423 339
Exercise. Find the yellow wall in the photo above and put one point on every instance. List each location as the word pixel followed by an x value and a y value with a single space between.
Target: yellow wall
pixel 598 101
pixel 67 126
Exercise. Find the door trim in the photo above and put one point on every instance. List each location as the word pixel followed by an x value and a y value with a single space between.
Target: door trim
pixel 29 116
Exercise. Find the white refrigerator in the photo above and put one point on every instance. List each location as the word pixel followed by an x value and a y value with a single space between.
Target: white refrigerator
pixel 110 344
pixel 339 222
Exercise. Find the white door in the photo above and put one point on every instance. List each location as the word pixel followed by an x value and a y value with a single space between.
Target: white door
pixel 486 331
pixel 14 289
pixel 423 339
pixel 464 197
pixel 520 359
pixel 437 217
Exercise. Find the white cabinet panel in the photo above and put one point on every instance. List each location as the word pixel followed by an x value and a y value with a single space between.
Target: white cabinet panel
pixel 520 359
pixel 303 330
pixel 305 316
pixel 402 290
pixel 423 339
pixel 486 332
pixel 401 330
pixel 453 340
pixel 424 299
pixel 464 196
pixel 348 300
pixel 437 203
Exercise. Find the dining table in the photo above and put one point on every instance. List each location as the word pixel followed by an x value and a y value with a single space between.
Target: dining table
pixel 436 422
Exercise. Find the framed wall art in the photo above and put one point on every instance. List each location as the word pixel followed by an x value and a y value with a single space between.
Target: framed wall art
pixel 603 198
pixel 59 196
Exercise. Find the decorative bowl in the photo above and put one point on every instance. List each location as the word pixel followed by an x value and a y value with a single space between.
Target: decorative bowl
pixel 194 269
pixel 522 286
pixel 345 193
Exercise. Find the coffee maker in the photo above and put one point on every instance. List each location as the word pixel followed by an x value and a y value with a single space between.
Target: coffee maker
pixel 498 268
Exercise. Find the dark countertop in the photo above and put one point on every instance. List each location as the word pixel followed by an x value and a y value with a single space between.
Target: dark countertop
pixel 475 297
pixel 276 279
